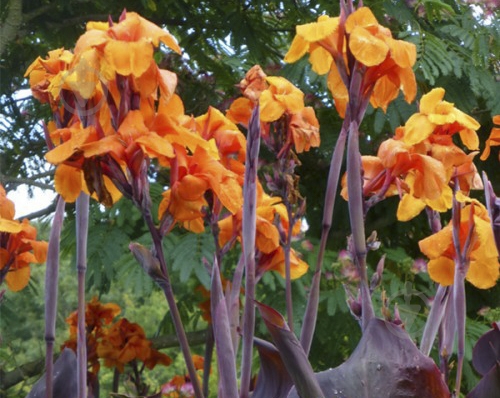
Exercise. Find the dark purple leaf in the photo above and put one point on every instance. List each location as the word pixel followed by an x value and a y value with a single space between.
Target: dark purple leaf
pixel 228 386
pixel 273 380
pixel 486 352
pixel 489 386
pixel 386 364
pixel 64 380
pixel 292 353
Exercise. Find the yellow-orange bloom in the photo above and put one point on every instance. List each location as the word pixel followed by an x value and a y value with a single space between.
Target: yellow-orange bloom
pixel 43 71
pixel 388 62
pixel 281 96
pixel 18 246
pixel 438 120
pixel 191 177
pixel 493 139
pixel 483 269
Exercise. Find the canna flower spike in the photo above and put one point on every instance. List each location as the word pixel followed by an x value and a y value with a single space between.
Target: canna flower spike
pixel 386 63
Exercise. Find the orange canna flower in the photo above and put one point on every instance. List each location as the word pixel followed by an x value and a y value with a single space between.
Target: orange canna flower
pixel 275 261
pixel 126 49
pixel 281 96
pixel 97 317
pixel 230 141
pixel 483 271
pixel 191 177
pixel 18 246
pixel 43 71
pixel 305 130
pixel 388 62
pixel 493 139
pixel 438 120
pixel 124 342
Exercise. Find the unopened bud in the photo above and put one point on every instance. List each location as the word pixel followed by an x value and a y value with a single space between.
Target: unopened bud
pixel 148 262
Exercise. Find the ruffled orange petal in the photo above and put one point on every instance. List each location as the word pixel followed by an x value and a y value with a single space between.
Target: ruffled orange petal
pixel 442 270
pixel 409 207
pixel 17 279
pixel 10 226
pixel 191 188
pixel 338 90
pixel 320 59
pixel 297 50
pixel 417 128
pixel 319 30
pixel 366 48
pixel 483 272
pixel 129 58
pixel 363 16
pixel 429 101
pixel 68 182
pixel 270 110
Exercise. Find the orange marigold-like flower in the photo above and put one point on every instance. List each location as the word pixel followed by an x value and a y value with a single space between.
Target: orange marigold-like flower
pixel 18 246
pixel 483 271
pixel 124 342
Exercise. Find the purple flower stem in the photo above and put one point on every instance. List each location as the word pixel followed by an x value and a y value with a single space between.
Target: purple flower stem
pixel 82 226
pixel 248 241
pixel 461 265
pixel 311 312
pixel 51 279
pixel 166 286
pixel 288 277
pixel 233 303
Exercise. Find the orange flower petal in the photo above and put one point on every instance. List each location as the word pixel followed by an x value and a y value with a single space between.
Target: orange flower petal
pixel 483 272
pixel 10 226
pixel 409 207
pixel 129 58
pixel 297 49
pixel 363 16
pixel 435 245
pixel 68 182
pixel 417 128
pixel 18 279
pixel 316 31
pixel 270 110
pixel 320 59
pixel 442 270
pixel 429 101
pixel 366 48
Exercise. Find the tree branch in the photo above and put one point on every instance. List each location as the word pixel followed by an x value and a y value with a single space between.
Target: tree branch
pixel 11 24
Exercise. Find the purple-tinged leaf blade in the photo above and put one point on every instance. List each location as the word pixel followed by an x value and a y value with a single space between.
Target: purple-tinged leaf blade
pixel 486 352
pixel 386 363
pixel 292 353
pixel 64 379
pixel 434 319
pixel 228 385
pixel 488 386
pixel 273 380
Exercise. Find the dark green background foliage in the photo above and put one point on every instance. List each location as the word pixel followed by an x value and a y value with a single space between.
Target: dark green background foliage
pixel 457 48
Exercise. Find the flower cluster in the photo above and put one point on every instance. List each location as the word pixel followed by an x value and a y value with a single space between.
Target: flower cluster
pixel 18 246
pixel 384 62
pixel 277 98
pixel 117 343
pixel 421 162
pixel 483 268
